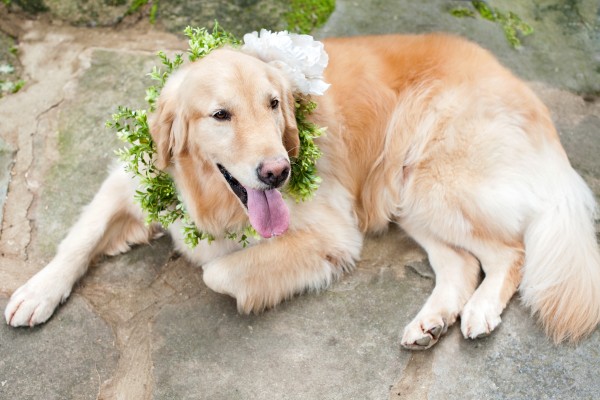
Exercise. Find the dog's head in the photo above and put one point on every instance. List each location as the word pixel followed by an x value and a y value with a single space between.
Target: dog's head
pixel 235 112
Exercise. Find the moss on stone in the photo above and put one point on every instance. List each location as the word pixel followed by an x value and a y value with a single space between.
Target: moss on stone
pixel 306 15
pixel 32 6
pixel 237 16
pixel 83 144
pixel 512 25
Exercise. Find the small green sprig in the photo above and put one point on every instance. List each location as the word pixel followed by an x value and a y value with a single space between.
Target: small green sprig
pixel 161 77
pixel 304 180
pixel 244 236
pixel 202 42
pixel 157 194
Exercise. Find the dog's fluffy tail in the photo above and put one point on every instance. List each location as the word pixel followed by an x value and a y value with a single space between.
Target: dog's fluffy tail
pixel 561 278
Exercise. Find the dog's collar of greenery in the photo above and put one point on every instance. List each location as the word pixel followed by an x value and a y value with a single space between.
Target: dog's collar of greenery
pixel 157 193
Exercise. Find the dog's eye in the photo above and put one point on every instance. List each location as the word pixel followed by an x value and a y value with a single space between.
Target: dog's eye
pixel 222 115
pixel 274 104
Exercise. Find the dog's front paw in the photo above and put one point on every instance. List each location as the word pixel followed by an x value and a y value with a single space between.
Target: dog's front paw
pixel 479 319
pixel 34 302
pixel 218 278
pixel 221 279
pixel 422 333
pixel 252 294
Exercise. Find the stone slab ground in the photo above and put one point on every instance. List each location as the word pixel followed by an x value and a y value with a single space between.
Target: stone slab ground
pixel 144 326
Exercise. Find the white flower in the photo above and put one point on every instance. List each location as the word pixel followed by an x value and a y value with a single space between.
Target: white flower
pixel 301 57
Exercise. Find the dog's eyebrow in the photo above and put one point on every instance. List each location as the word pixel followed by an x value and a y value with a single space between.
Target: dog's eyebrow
pixel 273 95
pixel 205 112
pixel 223 105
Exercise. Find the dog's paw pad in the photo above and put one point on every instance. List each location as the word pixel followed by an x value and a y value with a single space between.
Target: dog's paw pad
pixel 479 321
pixel 422 334
pixel 423 342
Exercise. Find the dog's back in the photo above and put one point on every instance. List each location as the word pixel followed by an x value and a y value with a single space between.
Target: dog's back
pixel 391 96
pixel 441 138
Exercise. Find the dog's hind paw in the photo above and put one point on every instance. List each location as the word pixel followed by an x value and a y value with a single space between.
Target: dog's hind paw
pixel 421 334
pixel 479 321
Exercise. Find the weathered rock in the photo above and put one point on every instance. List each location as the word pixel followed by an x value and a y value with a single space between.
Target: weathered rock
pixel 85 145
pixel 563 51
pixel 66 359
pixel 516 362
pixel 6 162
pixel 340 344
pixel 239 16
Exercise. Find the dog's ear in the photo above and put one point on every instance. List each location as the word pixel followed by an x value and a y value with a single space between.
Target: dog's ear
pixel 291 141
pixel 168 128
pixel 161 125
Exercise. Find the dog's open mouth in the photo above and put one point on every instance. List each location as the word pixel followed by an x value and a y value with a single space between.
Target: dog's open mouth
pixel 237 188
pixel 267 211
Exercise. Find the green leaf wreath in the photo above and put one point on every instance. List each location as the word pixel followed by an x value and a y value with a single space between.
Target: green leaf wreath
pixel 157 193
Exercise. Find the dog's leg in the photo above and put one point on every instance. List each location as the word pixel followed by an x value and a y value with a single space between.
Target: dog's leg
pixel 456 277
pixel 502 266
pixel 108 225
pixel 262 276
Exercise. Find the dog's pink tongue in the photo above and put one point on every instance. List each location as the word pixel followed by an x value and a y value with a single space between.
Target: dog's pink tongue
pixel 268 213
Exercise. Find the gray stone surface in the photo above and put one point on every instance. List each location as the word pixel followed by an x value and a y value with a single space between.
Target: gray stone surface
pixel 517 362
pixel 68 358
pixel 85 145
pixel 239 16
pixel 143 325
pixel 87 13
pixel 340 344
pixel 564 50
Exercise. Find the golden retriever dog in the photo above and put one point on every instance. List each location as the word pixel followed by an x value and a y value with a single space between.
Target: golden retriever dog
pixel 428 132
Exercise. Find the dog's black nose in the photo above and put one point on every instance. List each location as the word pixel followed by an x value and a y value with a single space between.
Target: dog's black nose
pixel 273 172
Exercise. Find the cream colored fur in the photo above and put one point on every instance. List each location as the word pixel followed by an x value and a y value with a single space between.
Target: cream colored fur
pixel 428 132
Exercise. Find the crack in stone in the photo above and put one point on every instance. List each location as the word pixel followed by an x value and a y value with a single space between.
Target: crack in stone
pixel 416 378
pixel 422 268
pixel 34 196
pixel 47 110
pixel 11 164
pixel 134 336
pixel 131 354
